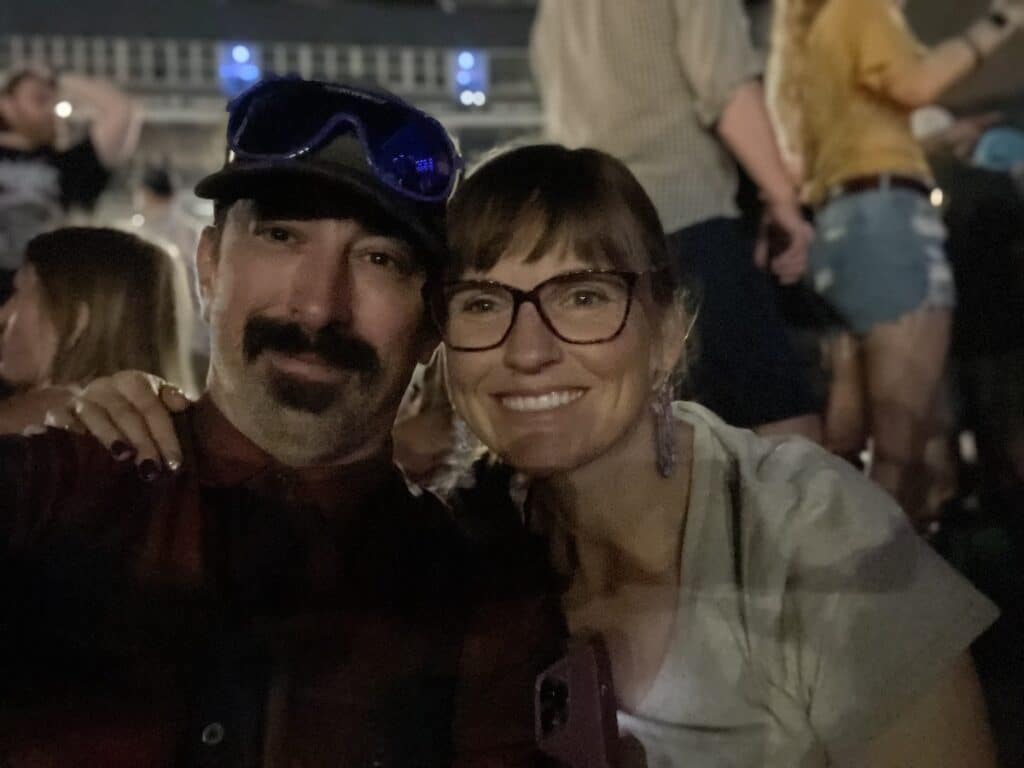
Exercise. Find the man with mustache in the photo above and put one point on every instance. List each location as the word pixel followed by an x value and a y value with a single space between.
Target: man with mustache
pixel 277 595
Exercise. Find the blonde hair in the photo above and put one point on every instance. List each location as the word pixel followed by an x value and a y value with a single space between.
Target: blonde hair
pixel 791 25
pixel 136 302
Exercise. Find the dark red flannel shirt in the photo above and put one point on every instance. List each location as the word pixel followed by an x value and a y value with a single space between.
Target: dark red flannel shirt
pixel 241 613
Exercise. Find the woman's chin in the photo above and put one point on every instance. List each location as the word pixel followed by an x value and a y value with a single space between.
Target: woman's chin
pixel 541 461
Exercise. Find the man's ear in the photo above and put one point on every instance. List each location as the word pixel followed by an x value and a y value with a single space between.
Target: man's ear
pixel 206 267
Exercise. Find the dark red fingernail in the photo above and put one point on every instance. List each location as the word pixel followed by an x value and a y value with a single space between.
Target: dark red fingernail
pixel 149 470
pixel 121 451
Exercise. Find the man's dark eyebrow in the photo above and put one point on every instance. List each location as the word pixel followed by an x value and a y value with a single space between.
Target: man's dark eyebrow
pixel 261 211
pixel 372 230
pixel 307 210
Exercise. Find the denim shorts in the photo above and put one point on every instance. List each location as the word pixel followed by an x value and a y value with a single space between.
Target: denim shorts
pixel 880 255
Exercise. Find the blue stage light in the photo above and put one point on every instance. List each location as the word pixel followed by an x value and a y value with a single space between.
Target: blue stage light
pixel 238 67
pixel 470 77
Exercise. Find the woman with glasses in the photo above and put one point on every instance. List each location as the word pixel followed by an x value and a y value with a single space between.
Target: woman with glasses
pixel 762 603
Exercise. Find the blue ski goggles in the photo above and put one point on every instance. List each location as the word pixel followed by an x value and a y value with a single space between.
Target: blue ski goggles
pixel 287 118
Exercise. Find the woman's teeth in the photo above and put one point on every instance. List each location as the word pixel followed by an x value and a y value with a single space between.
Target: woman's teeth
pixel 541 402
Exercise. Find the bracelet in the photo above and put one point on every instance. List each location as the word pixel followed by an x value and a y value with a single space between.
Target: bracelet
pixel 976 51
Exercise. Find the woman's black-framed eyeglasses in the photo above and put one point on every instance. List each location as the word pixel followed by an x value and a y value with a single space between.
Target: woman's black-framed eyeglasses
pixel 583 307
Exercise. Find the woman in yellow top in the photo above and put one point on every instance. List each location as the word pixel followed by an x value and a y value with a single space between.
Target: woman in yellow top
pixel 844 78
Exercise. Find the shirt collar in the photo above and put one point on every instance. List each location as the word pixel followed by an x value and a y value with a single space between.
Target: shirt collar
pixel 224 457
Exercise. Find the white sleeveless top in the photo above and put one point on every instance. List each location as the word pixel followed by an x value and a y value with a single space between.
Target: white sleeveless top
pixel 810 612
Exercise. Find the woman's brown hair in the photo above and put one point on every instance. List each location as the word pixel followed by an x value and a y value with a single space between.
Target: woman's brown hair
pixel 544 197
pixel 133 293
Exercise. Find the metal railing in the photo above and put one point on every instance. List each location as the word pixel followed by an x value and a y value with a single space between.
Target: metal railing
pixel 191 67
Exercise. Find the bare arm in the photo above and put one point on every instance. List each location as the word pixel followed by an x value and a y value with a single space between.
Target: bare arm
pixel 746 129
pixel 117 118
pixel 945 727
pixel 949 62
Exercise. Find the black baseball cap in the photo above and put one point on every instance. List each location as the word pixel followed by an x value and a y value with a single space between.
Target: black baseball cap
pixel 349 149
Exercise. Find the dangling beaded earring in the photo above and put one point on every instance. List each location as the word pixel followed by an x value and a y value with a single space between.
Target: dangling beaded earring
pixel 665 451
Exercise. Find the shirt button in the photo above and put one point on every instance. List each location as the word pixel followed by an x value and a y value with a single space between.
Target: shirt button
pixel 213 734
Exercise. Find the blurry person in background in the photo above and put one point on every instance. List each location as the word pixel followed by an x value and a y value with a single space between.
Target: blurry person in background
pixel 984 211
pixel 940 132
pixel 159 215
pixel 949 142
pixel 674 93
pixel 40 180
pixel 88 302
pixel 845 77
pixel 1001 150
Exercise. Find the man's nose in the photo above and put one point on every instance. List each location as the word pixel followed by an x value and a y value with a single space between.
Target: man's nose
pixel 321 290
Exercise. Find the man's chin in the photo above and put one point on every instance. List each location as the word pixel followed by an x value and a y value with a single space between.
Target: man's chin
pixel 301 394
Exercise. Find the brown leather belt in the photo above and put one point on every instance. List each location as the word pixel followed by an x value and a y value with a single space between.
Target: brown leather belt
pixel 879 181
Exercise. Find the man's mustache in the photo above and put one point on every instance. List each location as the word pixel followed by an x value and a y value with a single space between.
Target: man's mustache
pixel 330 343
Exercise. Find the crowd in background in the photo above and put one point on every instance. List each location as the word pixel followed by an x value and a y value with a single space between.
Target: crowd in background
pixel 850 253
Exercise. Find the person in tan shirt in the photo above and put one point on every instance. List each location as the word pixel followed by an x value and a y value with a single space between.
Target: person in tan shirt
pixel 844 78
